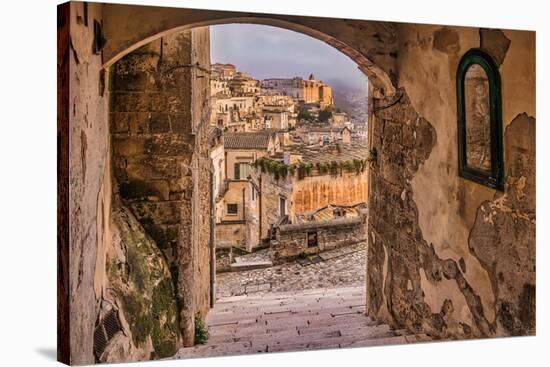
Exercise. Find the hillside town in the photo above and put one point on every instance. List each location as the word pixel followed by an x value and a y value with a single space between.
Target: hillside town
pixel 290 169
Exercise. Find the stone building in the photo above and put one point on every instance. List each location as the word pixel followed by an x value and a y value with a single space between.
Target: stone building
pixel 448 254
pixel 238 223
pixel 307 179
pixel 323 134
pixel 324 229
pixel 339 119
pixel 275 117
pixel 238 218
pixel 219 87
pixel 224 70
pixel 242 84
pixel 242 149
pixel 306 91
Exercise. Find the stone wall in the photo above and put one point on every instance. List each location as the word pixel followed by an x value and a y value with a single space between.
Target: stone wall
pixel 201 206
pixel 291 240
pixel 270 191
pixel 233 232
pixel 224 257
pixel 161 156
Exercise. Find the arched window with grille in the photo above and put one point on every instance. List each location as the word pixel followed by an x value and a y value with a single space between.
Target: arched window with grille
pixel 480 150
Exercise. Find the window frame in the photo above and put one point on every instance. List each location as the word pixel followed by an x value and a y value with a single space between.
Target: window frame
pixel 494 178
pixel 282 206
pixel 236 209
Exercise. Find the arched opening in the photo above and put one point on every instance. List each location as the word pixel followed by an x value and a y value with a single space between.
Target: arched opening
pixel 378 76
pixel 164 172
pixel 431 268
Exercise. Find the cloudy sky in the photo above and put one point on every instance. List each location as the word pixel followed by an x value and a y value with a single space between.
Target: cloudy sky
pixel 264 51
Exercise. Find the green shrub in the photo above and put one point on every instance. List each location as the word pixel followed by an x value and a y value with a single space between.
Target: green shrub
pixel 201 332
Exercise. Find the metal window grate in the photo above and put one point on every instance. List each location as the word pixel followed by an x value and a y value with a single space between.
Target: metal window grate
pixel 105 331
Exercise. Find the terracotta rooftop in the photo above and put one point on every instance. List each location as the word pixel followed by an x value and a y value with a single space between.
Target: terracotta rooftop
pixel 247 140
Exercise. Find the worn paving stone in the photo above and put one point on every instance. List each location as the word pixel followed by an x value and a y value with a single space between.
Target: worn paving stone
pixel 337 268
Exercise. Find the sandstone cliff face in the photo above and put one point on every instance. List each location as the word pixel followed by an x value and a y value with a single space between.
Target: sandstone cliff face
pixel 140 284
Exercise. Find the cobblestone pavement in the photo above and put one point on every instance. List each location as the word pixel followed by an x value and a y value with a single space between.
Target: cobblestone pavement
pixel 342 267
pixel 261 255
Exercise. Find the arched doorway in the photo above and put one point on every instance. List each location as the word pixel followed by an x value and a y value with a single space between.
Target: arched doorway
pixel 147 195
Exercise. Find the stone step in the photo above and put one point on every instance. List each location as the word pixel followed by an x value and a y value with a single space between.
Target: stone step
pixel 300 294
pixel 325 340
pixel 251 265
pixel 292 321
pixel 261 306
pixel 348 327
pixel 304 317
pixel 344 332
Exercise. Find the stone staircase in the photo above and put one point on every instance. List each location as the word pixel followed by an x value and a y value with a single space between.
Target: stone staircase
pixel 292 321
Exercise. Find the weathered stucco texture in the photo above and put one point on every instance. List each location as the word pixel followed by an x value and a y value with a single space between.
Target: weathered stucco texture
pixel 456 290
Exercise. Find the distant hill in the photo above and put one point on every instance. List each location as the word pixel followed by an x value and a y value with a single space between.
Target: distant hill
pixel 350 99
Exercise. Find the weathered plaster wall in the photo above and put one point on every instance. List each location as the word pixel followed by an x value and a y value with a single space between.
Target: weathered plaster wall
pixel 233 232
pixel 454 273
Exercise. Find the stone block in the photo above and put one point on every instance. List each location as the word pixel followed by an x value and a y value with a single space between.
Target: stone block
pixel 128 146
pixel 168 145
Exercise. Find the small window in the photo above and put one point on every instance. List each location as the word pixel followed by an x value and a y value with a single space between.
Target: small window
pixel 242 171
pixel 232 209
pixel 282 206
pixel 312 239
pixel 480 156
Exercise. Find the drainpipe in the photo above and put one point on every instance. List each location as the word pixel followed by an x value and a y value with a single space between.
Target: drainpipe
pixel 212 243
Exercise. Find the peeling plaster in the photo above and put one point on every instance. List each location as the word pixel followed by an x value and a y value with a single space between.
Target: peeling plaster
pixel 435 295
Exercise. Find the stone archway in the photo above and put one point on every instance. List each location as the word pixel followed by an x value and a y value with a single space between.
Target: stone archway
pixel 423 271
pixel 371 45
pixel 146 142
